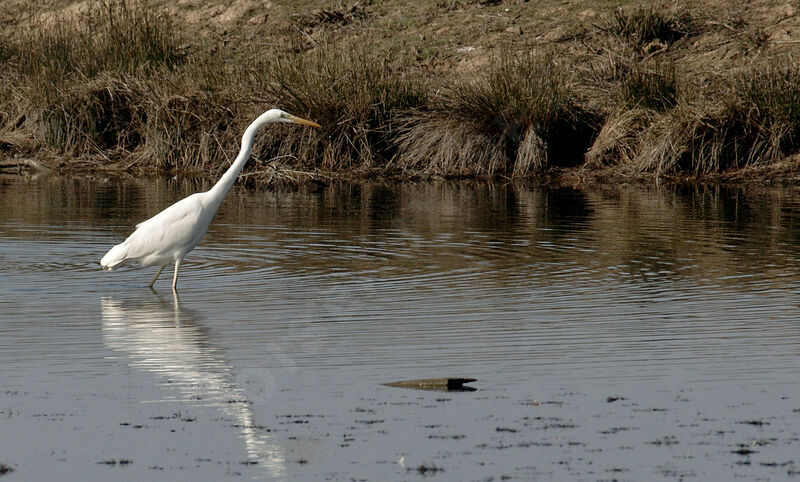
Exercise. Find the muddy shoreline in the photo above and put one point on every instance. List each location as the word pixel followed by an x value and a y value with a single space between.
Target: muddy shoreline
pixel 785 174
pixel 393 434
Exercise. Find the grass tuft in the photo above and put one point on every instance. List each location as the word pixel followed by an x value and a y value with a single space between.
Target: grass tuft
pixel 516 119
pixel 618 142
pixel 642 90
pixel 648 85
pixel 754 121
pixel 354 95
pixel 94 117
pixel 73 74
pixel 108 37
pixel 643 25
pixel 111 80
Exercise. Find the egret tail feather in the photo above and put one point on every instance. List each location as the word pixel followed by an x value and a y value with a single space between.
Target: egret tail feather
pixel 115 257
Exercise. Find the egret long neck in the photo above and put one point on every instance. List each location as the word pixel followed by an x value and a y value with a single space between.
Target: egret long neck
pixel 221 188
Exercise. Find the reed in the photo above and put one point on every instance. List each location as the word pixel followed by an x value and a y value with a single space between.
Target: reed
pixel 80 75
pixel 648 85
pixel 106 37
pixel 642 91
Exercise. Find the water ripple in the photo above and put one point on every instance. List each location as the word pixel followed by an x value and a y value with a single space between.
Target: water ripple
pixel 604 293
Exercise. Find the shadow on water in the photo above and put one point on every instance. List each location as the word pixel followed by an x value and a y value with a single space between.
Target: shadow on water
pixel 170 341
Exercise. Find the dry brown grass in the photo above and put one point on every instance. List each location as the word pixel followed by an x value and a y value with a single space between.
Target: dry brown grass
pixel 517 119
pixel 750 122
pixel 457 89
pixel 643 90
pixel 354 95
pixel 649 27
pixel 619 140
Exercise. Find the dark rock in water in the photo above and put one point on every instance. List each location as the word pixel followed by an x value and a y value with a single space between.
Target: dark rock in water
pixel 443 384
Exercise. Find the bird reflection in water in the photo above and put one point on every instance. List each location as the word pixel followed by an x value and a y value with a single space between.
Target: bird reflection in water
pixel 167 340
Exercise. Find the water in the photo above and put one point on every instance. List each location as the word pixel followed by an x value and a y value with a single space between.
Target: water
pixel 626 333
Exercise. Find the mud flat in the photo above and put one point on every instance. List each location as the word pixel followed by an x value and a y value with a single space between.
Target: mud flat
pixel 374 433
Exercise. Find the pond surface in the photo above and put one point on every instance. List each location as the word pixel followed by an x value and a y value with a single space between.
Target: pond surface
pixel 623 332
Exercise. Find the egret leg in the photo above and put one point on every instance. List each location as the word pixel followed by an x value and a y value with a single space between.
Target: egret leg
pixel 156 276
pixel 175 276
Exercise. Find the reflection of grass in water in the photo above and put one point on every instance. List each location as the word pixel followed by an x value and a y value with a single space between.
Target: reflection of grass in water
pixel 504 226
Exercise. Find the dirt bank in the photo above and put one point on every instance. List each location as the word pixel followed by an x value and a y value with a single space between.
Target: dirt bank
pixel 405 89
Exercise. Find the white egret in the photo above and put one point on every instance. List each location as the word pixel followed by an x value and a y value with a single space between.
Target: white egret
pixel 169 235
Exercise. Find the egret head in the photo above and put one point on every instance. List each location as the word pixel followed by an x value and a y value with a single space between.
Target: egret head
pixel 277 115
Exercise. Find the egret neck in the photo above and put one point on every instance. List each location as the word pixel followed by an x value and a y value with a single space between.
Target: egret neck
pixel 217 193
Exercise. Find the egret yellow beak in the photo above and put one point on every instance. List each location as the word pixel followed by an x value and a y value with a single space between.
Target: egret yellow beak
pixel 305 122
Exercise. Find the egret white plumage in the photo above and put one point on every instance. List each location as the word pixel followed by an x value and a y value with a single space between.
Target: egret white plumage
pixel 169 235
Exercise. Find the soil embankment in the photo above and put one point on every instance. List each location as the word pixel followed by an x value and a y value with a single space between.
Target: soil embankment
pixel 405 89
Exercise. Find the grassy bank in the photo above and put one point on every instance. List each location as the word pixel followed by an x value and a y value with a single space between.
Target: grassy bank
pixel 409 89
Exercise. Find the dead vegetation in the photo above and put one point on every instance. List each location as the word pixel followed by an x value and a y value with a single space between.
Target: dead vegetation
pixel 333 16
pixel 752 122
pixel 516 119
pixel 355 96
pixel 647 28
pixel 644 89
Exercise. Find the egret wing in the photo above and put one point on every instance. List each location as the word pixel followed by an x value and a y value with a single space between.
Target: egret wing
pixel 169 234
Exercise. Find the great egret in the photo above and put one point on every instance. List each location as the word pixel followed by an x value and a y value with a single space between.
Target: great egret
pixel 170 234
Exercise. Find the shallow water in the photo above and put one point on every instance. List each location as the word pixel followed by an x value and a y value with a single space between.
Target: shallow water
pixel 616 333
